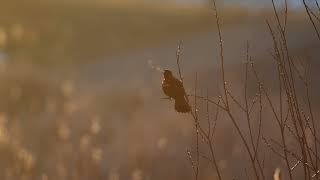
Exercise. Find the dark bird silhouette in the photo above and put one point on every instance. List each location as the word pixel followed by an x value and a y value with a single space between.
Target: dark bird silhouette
pixel 173 88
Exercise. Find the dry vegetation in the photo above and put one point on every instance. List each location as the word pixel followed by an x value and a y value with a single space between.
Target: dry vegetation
pixel 278 131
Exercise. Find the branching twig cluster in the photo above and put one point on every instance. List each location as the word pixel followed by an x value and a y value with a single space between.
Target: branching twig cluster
pixel 293 118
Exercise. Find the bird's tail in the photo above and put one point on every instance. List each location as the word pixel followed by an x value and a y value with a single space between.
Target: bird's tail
pixel 181 105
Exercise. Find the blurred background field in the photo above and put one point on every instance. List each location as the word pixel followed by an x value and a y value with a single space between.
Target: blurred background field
pixel 80 93
pixel 62 32
pixel 49 31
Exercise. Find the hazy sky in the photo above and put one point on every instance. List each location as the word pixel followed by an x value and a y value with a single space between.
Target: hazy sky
pixel 292 3
pixel 247 3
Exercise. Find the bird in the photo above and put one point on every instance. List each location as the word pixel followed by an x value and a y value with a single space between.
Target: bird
pixel 173 88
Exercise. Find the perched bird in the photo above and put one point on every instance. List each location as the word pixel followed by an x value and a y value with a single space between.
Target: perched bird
pixel 173 88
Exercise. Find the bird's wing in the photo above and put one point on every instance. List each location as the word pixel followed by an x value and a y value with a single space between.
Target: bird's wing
pixel 180 87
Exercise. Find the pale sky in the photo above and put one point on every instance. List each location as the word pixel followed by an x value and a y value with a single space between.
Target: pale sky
pixel 246 3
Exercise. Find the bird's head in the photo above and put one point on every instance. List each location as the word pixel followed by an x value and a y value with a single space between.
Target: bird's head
pixel 167 74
